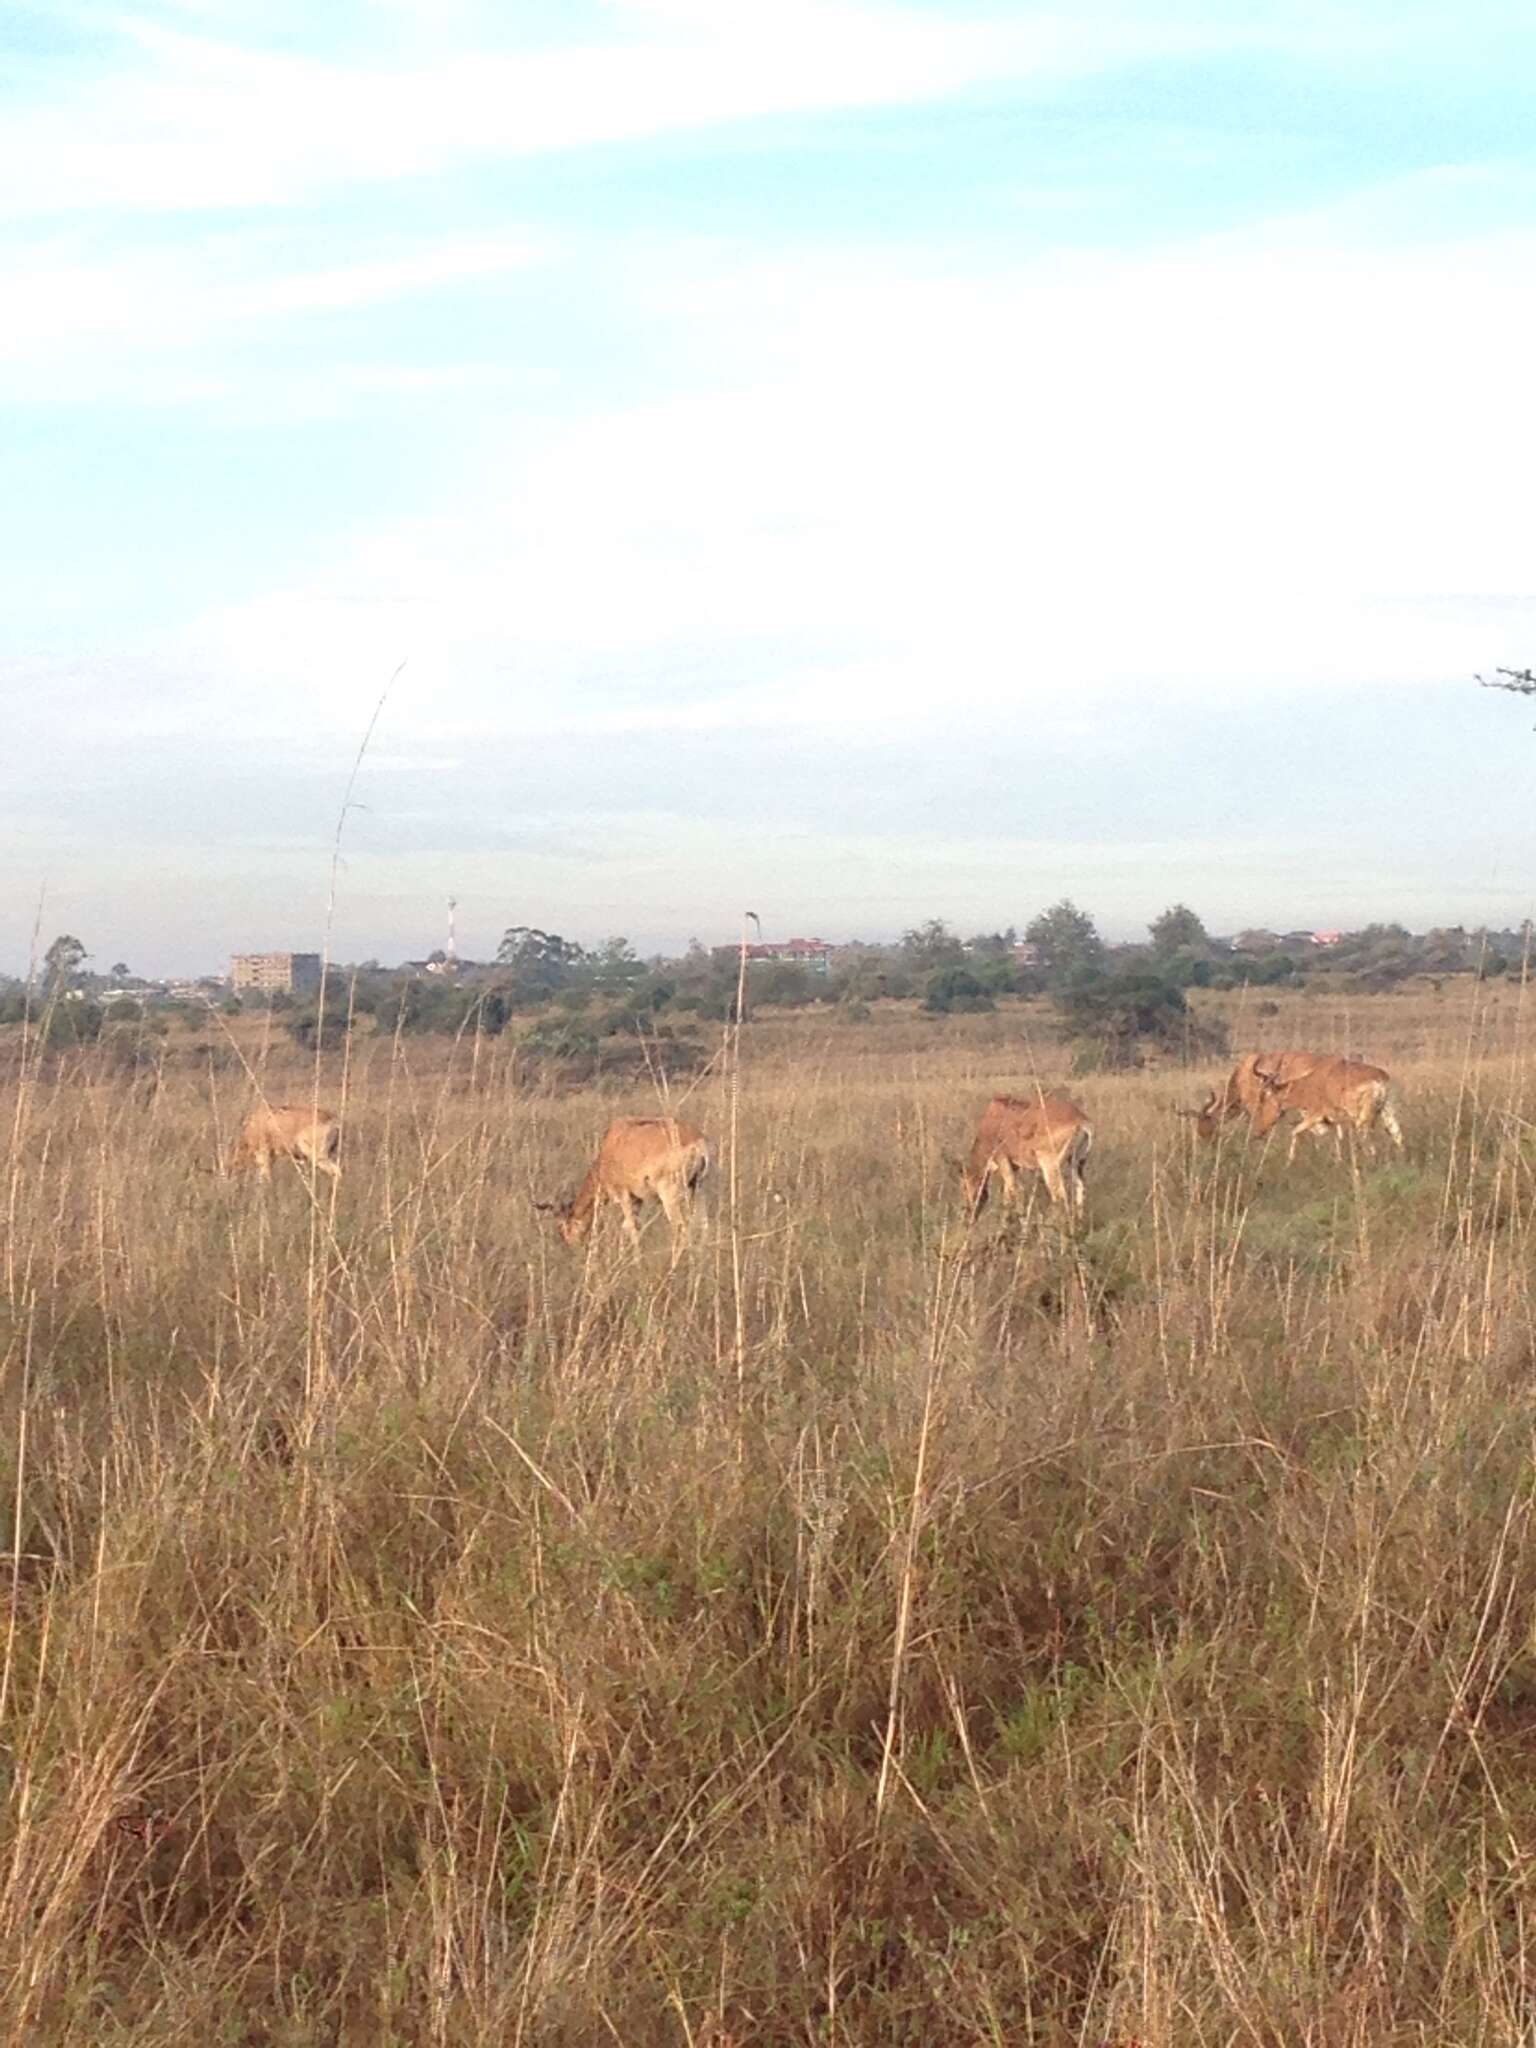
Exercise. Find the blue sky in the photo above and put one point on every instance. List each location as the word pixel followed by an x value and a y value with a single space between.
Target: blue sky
pixel 858 461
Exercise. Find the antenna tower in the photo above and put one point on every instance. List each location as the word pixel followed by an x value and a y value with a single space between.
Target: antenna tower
pixel 453 904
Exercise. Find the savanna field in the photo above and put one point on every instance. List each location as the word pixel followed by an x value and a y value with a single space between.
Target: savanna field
pixel 861 1630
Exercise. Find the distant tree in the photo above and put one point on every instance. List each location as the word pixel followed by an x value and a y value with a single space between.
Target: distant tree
pixel 932 944
pixel 615 966
pixel 55 1024
pixel 955 988
pixel 1189 967
pixel 782 982
pixel 1270 970
pixel 493 1012
pixel 1066 939
pixel 62 962
pixel 864 974
pixel 992 945
pixel 998 973
pixel 1445 950
pixel 1177 930
pixel 524 945
pixel 120 971
pixel 541 962
pixel 1116 1018
pixel 310 1025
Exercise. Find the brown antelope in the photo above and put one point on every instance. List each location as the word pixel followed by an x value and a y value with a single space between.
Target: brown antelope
pixel 640 1156
pixel 1243 1093
pixel 310 1136
pixel 1045 1133
pixel 1337 1095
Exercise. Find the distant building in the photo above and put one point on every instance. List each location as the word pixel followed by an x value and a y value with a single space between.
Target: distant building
pixel 1025 953
pixel 1326 938
pixel 815 955
pixel 270 974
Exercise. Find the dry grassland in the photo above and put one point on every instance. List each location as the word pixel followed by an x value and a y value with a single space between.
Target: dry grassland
pixel 417 1633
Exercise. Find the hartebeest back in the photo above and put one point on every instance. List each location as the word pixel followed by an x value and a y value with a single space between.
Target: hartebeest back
pixel 1337 1095
pixel 310 1136
pixel 639 1157
pixel 1047 1134
pixel 1243 1092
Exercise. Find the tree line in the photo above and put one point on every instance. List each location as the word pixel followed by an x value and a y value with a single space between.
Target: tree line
pixel 573 1000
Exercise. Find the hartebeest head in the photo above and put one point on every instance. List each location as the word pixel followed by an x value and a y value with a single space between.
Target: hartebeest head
pixel 1209 1114
pixel 1248 1087
pixel 572 1228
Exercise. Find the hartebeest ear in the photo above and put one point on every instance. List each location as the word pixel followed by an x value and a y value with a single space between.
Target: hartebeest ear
pixel 547 1208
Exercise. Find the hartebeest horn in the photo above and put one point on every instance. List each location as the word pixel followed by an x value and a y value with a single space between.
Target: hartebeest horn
pixel 1204 1110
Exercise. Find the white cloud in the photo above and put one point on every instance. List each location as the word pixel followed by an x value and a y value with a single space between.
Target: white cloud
pixel 178 298
pixel 197 123
pixel 1231 467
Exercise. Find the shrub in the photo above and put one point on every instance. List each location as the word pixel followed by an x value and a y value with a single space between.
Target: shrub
pixel 955 988
pixel 327 1027
pixel 1116 1018
pixel 54 1023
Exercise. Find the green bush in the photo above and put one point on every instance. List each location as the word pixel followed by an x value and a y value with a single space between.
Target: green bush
pixel 955 988
pixel 61 1023
pixel 1117 1018
pixel 311 1027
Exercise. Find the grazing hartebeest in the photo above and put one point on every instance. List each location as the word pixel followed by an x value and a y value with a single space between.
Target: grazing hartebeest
pixel 1338 1095
pixel 1047 1133
pixel 639 1156
pixel 310 1136
pixel 1244 1090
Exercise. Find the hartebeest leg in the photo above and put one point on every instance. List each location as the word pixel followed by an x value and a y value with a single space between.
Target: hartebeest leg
pixel 629 1209
pixel 1050 1173
pixel 675 1206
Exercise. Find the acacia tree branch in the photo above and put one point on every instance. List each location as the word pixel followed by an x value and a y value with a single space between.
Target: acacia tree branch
pixel 1521 680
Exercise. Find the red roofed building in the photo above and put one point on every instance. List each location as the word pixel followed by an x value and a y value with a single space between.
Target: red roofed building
pixel 815 955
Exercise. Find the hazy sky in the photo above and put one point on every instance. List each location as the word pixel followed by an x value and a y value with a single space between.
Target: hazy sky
pixel 858 462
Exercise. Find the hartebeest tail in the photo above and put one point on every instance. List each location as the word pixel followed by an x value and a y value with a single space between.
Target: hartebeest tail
pixel 1047 1134
pixel 310 1136
pixel 1243 1092
pixel 1337 1095
pixel 639 1157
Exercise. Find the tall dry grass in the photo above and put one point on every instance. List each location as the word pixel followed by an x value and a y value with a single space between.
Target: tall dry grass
pixel 414 1632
